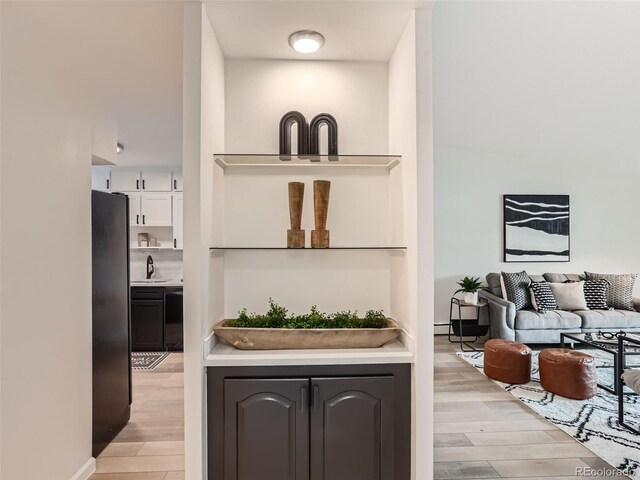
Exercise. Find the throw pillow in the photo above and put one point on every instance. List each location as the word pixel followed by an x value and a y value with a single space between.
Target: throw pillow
pixel 620 293
pixel 516 289
pixel 542 297
pixel 569 296
pixel 595 292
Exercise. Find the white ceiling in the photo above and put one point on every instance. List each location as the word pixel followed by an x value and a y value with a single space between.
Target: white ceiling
pixel 353 30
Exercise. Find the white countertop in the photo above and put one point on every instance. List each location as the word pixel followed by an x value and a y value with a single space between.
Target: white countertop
pixel 221 354
pixel 157 282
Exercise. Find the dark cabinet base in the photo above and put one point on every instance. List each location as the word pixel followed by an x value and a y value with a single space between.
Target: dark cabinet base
pixel 329 422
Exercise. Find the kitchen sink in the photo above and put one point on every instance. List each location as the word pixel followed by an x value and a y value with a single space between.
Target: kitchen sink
pixel 147 282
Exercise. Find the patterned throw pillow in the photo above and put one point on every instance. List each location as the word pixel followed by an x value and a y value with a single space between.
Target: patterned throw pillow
pixel 620 293
pixel 542 297
pixel 516 288
pixel 595 291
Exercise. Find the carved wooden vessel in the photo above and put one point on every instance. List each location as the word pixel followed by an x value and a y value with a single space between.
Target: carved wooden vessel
pixel 320 236
pixel 295 236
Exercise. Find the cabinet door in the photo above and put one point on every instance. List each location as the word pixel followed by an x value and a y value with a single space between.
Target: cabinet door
pixel 177 221
pixel 147 325
pixel 125 180
pixel 352 428
pixel 135 216
pixel 266 428
pixel 156 181
pixel 101 179
pixel 155 209
pixel 177 181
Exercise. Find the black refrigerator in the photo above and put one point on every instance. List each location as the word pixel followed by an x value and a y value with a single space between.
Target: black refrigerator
pixel 111 317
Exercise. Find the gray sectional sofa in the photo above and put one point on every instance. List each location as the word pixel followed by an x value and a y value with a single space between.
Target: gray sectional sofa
pixel 530 326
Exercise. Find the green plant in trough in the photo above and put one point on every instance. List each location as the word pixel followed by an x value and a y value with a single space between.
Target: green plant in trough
pixel 276 317
pixel 470 284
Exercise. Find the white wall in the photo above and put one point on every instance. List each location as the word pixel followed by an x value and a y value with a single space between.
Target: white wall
pixel 260 92
pixel 535 97
pixel 45 221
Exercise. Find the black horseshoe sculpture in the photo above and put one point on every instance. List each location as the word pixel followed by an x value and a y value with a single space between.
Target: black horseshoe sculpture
pixel 286 121
pixel 314 134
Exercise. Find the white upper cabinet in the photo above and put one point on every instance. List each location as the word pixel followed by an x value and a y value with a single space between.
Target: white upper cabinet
pixel 135 216
pixel 156 181
pixel 177 181
pixel 155 209
pixel 177 221
pixel 100 179
pixel 125 180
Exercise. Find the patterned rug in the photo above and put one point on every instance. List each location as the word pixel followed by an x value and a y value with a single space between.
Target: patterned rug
pixel 593 422
pixel 147 360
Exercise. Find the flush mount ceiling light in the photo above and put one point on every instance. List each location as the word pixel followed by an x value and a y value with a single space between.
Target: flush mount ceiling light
pixel 119 148
pixel 306 41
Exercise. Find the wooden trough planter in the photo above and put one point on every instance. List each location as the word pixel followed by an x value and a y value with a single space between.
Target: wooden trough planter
pixel 305 338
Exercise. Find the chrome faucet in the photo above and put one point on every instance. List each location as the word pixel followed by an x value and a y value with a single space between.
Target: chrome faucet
pixel 150 267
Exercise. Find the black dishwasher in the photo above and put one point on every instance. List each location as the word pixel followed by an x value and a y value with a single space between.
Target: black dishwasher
pixel 173 319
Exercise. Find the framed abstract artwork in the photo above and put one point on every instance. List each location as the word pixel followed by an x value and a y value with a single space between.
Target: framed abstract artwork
pixel 536 228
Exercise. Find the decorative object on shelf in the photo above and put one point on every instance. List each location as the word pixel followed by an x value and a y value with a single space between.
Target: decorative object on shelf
pixel 153 242
pixel 276 330
pixel 286 122
pixel 314 134
pixel 143 240
pixel 320 236
pixel 469 286
pixel 536 228
pixel 295 236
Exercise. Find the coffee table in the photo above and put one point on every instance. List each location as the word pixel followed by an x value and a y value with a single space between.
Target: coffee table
pixel 610 346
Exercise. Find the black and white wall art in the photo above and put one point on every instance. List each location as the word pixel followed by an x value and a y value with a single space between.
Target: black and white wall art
pixel 536 228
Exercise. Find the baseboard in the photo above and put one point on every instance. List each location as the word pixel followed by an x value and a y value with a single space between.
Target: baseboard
pixel 85 471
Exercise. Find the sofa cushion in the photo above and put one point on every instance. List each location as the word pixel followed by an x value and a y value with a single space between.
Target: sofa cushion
pixel 494 283
pixel 563 277
pixel 554 320
pixel 516 286
pixel 608 319
pixel 620 293
pixel 569 296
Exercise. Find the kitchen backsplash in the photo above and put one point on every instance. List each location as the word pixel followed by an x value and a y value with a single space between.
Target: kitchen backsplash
pixel 167 263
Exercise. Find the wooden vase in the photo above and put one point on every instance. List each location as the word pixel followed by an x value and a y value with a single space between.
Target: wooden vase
pixel 295 236
pixel 320 236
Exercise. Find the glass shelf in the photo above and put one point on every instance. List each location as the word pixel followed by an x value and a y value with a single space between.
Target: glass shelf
pixel 308 161
pixel 308 248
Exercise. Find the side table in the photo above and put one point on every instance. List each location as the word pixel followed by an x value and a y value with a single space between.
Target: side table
pixel 468 327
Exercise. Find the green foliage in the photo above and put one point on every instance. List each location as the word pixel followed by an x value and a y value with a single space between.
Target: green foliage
pixel 277 317
pixel 470 284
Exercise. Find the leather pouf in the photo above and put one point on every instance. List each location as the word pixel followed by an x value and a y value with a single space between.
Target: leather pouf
pixel 568 373
pixel 507 361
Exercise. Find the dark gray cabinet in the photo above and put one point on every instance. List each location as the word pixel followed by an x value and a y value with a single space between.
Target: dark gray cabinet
pixel 266 429
pixel 147 325
pixel 337 422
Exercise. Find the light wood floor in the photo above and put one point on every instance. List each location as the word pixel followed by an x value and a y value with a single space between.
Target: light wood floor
pixel 481 431
pixel 151 446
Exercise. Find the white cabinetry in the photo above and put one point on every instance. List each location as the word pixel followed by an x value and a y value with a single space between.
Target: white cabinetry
pixel 177 221
pixel 100 179
pixel 177 181
pixel 123 180
pixel 156 181
pixel 155 209
pixel 135 218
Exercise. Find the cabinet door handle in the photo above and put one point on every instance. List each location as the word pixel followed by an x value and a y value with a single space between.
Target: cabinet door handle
pixel 107 184
pixel 175 244
pixel 175 184
pixel 304 399
pixel 137 184
pixel 143 220
pixel 316 397
pixel 143 185
pixel 137 219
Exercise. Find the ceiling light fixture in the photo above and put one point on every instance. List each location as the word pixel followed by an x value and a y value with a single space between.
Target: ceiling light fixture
pixel 306 41
pixel 119 148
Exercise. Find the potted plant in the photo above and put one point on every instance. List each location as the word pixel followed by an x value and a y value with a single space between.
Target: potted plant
pixel 470 287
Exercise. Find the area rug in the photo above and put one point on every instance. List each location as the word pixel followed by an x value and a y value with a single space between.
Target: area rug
pixel 593 422
pixel 147 360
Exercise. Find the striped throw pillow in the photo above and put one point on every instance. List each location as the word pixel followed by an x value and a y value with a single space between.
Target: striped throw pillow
pixel 595 292
pixel 620 293
pixel 542 297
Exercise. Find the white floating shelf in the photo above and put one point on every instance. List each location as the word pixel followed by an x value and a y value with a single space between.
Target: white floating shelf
pixel 307 161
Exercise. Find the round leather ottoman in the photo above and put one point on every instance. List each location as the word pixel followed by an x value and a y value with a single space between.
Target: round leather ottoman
pixel 507 361
pixel 568 373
